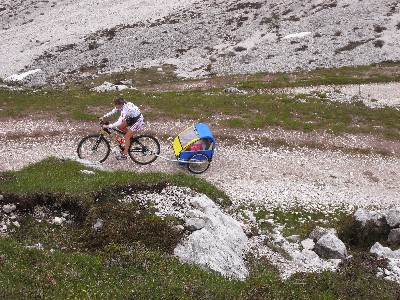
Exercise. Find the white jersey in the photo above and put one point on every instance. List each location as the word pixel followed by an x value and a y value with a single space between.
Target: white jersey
pixel 127 110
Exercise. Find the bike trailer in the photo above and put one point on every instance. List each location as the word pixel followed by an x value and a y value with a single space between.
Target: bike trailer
pixel 196 139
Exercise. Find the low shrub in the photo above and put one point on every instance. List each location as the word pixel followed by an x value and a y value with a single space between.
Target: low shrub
pixel 359 236
pixel 128 223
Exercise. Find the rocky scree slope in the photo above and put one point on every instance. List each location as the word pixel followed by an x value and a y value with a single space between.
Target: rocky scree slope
pixel 69 40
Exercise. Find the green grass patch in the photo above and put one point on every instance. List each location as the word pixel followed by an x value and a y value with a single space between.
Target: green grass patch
pixel 54 175
pixel 234 123
pixel 138 273
pixel 375 73
pixel 296 220
pixel 135 273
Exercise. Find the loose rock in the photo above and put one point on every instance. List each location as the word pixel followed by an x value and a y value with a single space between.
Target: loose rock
pixel 394 236
pixel 330 246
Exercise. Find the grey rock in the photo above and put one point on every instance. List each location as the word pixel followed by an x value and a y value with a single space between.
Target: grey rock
pixel 16 224
pixel 293 238
pixel 219 245
pixel 99 224
pixel 394 236
pixel 194 224
pixel 363 215
pixel 318 232
pixel 194 213
pixel 58 220
pixel 127 82
pixel 250 215
pixel 108 86
pixel 38 246
pixel 330 246
pixel 279 240
pixel 3 228
pixel 8 208
pixel 393 217
pixel 308 244
pixel 199 204
pixel 233 90
pixel 385 252
pixel 180 228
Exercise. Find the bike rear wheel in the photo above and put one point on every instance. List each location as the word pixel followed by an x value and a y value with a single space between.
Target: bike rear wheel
pixel 144 149
pixel 94 148
pixel 198 163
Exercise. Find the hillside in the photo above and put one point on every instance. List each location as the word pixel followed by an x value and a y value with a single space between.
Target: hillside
pixel 68 40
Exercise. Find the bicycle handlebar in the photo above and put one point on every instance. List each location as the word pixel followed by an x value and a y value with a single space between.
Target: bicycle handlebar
pixel 105 123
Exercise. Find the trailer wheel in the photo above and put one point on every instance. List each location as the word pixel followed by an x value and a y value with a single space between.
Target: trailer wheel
pixel 198 163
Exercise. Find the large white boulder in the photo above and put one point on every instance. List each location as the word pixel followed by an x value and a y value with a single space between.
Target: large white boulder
pixel 219 245
pixel 330 246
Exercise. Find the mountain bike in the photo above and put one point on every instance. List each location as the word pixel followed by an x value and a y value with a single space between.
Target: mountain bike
pixel 144 149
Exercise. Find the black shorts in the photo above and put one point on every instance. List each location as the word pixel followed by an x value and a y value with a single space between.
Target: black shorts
pixel 132 120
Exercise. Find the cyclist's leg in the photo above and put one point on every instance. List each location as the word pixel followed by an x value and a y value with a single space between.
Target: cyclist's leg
pixel 123 126
pixel 128 135
pixel 131 130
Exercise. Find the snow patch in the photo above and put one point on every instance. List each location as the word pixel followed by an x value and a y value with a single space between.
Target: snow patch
pixel 297 35
pixel 19 77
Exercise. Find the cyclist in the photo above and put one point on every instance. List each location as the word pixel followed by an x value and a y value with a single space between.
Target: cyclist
pixel 130 120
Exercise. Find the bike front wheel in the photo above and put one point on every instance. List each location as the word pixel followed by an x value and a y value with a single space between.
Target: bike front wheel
pixel 144 149
pixel 94 148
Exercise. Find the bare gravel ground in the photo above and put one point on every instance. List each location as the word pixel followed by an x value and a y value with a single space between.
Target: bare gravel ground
pixel 251 171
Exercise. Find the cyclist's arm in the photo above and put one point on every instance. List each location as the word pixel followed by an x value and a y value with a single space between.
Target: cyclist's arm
pixel 117 123
pixel 110 113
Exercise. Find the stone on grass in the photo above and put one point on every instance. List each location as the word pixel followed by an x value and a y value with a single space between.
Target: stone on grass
pixel 363 215
pixel 87 172
pixel 385 252
pixel 219 245
pixel 330 246
pixel 8 208
pixel 58 221
pixel 393 217
pixel 318 232
pixel 99 224
pixel 394 236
